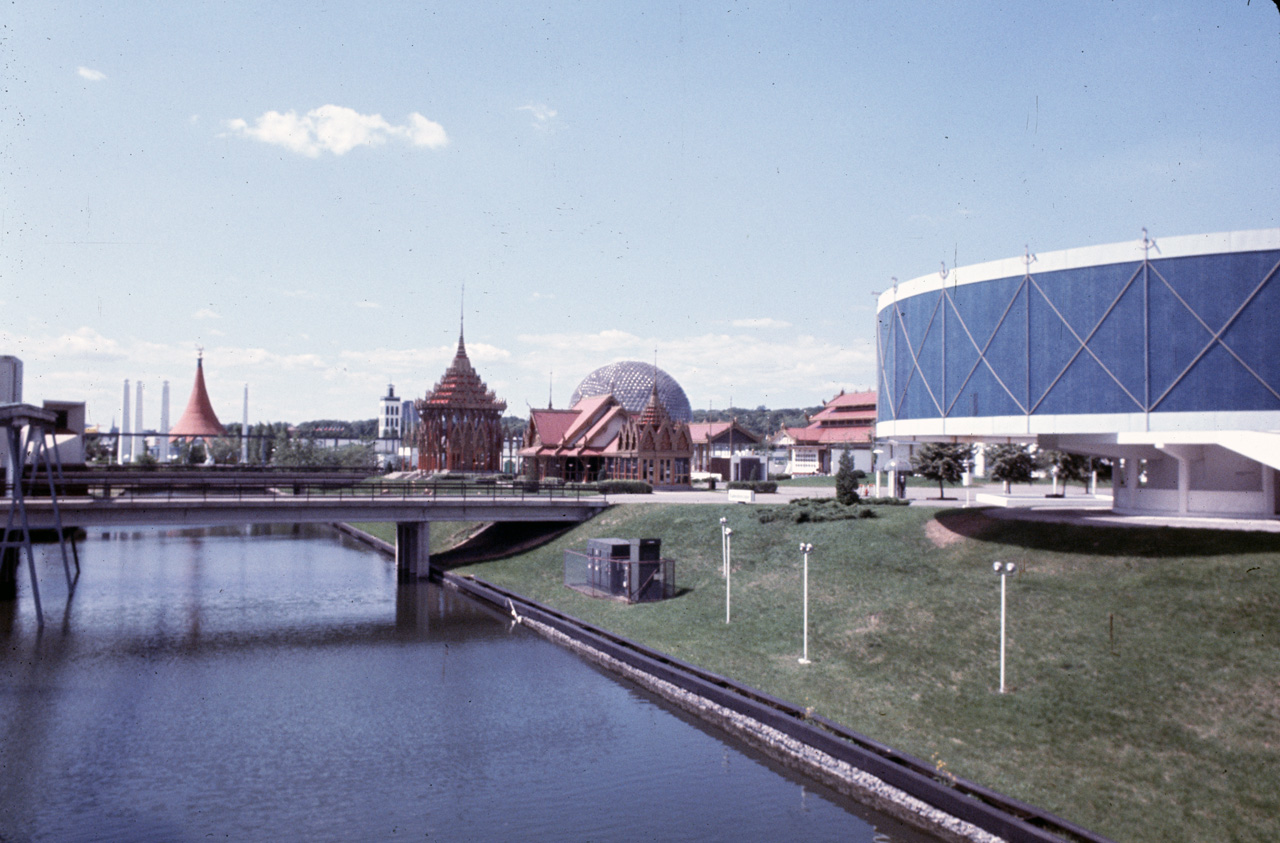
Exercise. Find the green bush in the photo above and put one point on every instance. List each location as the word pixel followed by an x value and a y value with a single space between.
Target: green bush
pixel 886 501
pixel 625 487
pixel 846 482
pixel 764 487
pixel 813 511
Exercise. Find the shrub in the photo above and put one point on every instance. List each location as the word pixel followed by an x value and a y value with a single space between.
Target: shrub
pixel 813 510
pixel 625 487
pixel 764 487
pixel 846 482
pixel 886 501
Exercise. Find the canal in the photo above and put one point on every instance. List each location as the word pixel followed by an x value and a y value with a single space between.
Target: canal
pixel 275 683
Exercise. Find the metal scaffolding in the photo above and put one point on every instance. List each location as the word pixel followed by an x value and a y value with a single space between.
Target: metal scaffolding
pixel 26 430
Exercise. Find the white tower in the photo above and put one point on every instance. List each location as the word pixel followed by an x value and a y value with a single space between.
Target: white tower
pixel 10 393
pixel 140 442
pixel 389 415
pixel 10 380
pixel 164 423
pixel 124 444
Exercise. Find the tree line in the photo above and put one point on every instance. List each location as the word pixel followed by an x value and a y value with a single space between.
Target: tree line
pixel 1007 464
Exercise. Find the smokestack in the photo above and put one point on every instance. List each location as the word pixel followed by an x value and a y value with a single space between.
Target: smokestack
pixel 140 448
pixel 164 423
pixel 244 429
pixel 124 443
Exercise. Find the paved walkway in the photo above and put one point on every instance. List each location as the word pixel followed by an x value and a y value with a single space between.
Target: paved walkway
pixel 1029 502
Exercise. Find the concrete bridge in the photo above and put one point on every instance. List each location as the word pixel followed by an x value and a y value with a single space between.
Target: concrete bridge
pixel 212 498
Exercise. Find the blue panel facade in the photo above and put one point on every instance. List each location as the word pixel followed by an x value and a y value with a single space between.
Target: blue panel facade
pixel 1185 334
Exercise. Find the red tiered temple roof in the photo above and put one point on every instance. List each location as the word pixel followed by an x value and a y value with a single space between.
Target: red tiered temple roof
pixel 462 388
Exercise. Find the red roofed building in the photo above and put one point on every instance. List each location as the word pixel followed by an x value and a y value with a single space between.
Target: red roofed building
pixel 599 440
pixel 460 421
pixel 846 423
pixel 715 443
pixel 198 421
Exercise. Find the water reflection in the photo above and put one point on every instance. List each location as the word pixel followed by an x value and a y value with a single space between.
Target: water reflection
pixel 276 683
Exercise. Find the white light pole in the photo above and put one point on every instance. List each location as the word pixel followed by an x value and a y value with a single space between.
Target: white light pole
pixel 805 548
pixel 728 567
pixel 1004 570
pixel 724 548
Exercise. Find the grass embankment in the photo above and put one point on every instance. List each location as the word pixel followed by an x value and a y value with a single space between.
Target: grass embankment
pixel 1145 699
pixel 444 534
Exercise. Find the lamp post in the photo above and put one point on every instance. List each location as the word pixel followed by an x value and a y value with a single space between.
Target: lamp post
pixel 724 547
pixel 728 567
pixel 968 480
pixel 877 452
pixel 1004 570
pixel 805 547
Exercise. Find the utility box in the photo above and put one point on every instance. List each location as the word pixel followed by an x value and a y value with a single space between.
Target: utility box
pixel 628 569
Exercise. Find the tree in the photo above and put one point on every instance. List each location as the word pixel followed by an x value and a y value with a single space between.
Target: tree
pixel 846 481
pixel 1010 464
pixel 1069 467
pixel 226 449
pixel 942 462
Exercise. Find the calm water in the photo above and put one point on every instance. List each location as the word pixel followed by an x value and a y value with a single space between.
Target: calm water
pixel 276 684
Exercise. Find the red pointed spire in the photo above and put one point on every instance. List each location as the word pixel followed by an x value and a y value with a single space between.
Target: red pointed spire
pixel 198 419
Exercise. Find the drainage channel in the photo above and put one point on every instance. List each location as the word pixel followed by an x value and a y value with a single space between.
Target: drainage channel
pixel 892 782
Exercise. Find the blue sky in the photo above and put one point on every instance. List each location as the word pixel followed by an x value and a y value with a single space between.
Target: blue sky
pixel 304 189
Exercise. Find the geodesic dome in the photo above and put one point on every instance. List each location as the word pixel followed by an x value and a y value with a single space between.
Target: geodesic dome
pixel 631 382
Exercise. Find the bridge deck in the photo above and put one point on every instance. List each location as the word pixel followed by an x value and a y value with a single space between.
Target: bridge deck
pixel 116 500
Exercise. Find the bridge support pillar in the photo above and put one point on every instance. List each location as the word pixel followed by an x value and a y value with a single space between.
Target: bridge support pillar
pixel 413 550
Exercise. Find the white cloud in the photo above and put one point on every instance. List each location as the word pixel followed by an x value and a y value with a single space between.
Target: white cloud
pixel 90 74
pixel 206 313
pixel 336 129
pixel 289 382
pixel 542 114
pixel 610 341
pixel 761 322
pixel 790 371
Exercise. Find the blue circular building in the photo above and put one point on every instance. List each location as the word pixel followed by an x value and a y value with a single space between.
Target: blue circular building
pixel 1161 355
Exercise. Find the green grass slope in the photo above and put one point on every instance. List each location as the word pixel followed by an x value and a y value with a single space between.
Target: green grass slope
pixel 1144 692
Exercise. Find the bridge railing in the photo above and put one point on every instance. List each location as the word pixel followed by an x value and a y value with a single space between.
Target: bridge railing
pixel 116 487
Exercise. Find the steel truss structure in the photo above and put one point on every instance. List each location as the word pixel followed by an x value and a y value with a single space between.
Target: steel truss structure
pixel 1188 333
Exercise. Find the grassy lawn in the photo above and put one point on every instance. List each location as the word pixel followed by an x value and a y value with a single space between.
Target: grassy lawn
pixel 819 481
pixel 1145 695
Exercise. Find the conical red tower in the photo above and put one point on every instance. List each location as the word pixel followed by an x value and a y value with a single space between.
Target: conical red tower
pixel 199 419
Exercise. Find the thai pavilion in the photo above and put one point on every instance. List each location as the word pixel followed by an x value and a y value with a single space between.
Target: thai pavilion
pixel 601 439
pixel 460 421
pixel 198 420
